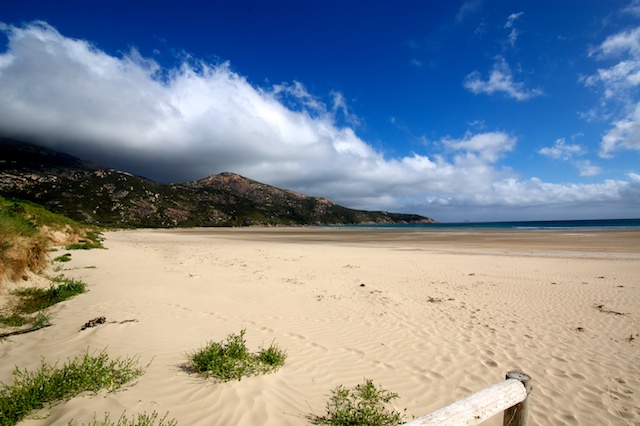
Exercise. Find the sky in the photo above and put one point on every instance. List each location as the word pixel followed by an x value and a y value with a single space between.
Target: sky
pixel 476 110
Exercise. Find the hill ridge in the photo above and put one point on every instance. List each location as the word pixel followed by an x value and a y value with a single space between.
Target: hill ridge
pixel 89 192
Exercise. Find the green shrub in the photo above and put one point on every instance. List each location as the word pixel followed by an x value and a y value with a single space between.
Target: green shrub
pixel 272 356
pixel 32 390
pixel 231 360
pixel 362 405
pixel 142 419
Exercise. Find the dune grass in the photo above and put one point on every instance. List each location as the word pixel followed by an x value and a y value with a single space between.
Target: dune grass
pixel 91 240
pixel 26 233
pixel 33 390
pixel 231 360
pixel 363 405
pixel 34 300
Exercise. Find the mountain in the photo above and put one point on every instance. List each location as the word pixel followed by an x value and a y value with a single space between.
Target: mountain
pixel 91 193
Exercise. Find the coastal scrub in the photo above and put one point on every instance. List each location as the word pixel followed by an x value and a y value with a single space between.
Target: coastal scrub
pixel 33 390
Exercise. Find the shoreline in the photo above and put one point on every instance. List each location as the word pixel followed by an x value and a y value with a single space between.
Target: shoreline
pixel 404 309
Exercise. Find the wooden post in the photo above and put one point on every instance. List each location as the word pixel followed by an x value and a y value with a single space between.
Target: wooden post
pixel 518 415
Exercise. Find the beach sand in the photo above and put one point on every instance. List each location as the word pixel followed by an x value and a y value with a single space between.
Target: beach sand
pixel 431 315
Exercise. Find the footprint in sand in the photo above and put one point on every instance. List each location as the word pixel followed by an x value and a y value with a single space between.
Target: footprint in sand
pixel 295 336
pixel 490 363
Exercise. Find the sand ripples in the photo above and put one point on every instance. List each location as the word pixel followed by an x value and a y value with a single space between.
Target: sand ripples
pixel 433 327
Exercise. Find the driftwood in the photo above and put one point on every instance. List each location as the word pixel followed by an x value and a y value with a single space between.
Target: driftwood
pixel 102 320
pixel 93 323
pixel 24 331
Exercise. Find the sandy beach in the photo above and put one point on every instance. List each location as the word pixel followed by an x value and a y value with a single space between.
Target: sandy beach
pixel 431 315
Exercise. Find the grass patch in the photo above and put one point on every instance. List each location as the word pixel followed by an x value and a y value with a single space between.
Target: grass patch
pixel 363 405
pixel 34 300
pixel 13 320
pixel 63 258
pixel 91 240
pixel 33 390
pixel 142 419
pixel 231 360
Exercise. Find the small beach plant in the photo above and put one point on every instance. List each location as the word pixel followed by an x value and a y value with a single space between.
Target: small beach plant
pixel 142 419
pixel 63 258
pixel 231 360
pixel 363 405
pixel 33 390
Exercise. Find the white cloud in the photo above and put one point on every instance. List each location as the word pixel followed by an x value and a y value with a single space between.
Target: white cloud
pixel 535 190
pixel 340 106
pixel 621 43
pixel 510 25
pixel 500 81
pixel 625 134
pixel 199 119
pixel 568 152
pixel 467 9
pixel 588 169
pixel 624 75
pixel 487 146
pixel 633 8
pixel 561 151
pixel 620 83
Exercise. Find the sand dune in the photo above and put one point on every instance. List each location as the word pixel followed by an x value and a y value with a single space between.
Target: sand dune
pixel 433 316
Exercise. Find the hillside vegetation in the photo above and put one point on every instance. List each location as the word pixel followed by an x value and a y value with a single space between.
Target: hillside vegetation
pixel 90 193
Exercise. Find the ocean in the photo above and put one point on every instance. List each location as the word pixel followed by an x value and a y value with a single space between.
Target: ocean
pixel 603 224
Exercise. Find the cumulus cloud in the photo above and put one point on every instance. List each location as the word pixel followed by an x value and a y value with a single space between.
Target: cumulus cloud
pixel 500 81
pixel 198 119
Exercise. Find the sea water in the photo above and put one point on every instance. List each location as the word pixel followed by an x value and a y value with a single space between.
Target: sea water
pixel 603 224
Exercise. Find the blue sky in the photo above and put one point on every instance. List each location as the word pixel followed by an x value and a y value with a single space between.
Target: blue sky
pixel 458 110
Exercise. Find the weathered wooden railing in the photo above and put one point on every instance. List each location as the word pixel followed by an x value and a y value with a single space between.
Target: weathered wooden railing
pixel 510 396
